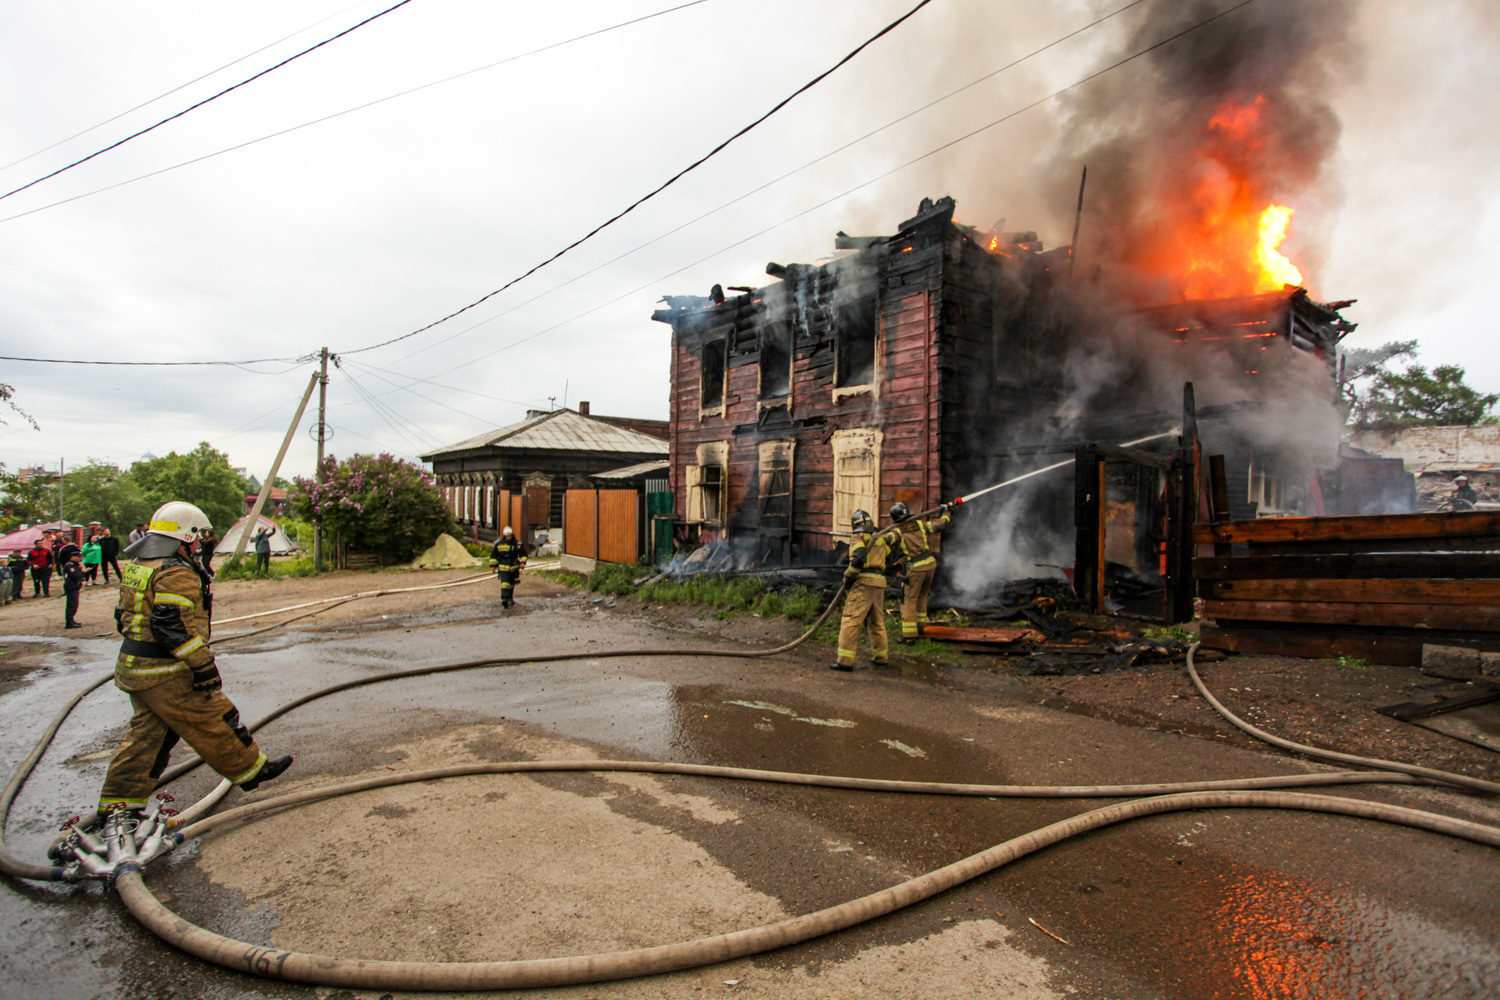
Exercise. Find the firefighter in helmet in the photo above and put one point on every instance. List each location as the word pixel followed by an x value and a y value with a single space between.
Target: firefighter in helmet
pixel 917 544
pixel 508 557
pixel 166 666
pixel 865 580
pixel 1462 491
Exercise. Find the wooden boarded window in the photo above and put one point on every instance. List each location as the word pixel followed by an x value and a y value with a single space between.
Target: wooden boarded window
pixel 776 360
pixel 854 342
pixel 776 484
pixel 711 378
pixel 856 476
pixel 538 501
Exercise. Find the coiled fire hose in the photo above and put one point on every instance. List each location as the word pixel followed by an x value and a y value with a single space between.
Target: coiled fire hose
pixel 370 974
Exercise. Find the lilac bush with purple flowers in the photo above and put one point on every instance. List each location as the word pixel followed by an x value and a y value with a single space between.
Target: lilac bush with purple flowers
pixel 376 503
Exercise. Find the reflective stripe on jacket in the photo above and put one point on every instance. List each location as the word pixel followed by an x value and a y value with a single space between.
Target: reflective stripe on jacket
pixel 509 555
pixel 163 613
pixel 916 540
pixel 867 557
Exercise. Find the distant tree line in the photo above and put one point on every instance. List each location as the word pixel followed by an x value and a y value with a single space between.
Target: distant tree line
pixel 1376 396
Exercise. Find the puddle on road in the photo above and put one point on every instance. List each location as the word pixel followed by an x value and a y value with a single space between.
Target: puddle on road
pixel 1270 937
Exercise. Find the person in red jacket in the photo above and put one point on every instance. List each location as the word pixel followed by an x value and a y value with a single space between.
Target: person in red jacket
pixel 41 561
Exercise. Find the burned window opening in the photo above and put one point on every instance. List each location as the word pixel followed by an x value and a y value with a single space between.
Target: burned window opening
pixel 854 342
pixel 712 383
pixel 776 361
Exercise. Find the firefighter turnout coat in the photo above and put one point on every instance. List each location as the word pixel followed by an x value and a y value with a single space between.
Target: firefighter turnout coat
pixel 917 541
pixel 168 669
pixel 865 604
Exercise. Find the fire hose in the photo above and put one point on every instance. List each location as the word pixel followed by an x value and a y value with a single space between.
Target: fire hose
pixel 126 868
pixel 119 858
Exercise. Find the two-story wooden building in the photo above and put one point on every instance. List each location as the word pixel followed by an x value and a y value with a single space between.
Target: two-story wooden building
pixel 922 365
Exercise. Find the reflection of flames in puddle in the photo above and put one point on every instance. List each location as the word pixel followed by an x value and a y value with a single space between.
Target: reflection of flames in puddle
pixel 1276 938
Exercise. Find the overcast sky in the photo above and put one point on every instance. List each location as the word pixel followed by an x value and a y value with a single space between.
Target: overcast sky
pixel 380 221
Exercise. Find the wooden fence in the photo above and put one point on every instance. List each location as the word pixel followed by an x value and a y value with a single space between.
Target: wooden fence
pixel 1377 587
pixel 603 525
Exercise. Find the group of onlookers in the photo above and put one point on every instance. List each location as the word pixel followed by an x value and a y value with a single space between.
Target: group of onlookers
pixel 54 552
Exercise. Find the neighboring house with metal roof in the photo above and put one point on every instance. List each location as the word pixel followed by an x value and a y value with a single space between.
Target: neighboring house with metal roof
pixel 519 473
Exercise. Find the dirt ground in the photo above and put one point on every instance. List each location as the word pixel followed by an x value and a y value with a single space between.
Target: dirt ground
pixel 1319 702
pixel 235 598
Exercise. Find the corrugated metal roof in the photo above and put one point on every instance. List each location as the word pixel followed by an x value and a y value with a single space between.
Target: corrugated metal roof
pixel 560 430
pixel 634 471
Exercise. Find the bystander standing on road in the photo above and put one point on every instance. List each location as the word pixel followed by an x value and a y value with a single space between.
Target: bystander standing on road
pixel 263 550
pixel 91 556
pixel 72 571
pixel 206 544
pixel 109 554
pixel 138 533
pixel 5 597
pixel 18 565
pixel 63 550
pixel 41 562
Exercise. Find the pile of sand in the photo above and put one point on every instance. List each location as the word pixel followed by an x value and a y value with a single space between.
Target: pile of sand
pixel 446 553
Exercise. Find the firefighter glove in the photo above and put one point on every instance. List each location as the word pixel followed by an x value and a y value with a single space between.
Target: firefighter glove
pixel 207 677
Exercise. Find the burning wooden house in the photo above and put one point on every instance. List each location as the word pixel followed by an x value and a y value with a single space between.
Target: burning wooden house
pixel 922 365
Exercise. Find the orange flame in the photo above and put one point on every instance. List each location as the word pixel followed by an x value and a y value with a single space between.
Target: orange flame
pixel 1222 237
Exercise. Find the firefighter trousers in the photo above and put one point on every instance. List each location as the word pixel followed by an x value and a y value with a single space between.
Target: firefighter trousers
pixel 865 603
pixel 914 604
pixel 509 577
pixel 169 711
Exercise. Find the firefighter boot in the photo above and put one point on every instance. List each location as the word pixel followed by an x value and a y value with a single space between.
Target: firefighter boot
pixel 269 770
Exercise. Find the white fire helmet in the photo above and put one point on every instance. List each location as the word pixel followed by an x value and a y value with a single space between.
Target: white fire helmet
pixel 1460 479
pixel 178 520
pixel 507 532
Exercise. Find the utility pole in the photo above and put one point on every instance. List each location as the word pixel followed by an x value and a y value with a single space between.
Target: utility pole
pixel 265 487
pixel 62 474
pixel 322 430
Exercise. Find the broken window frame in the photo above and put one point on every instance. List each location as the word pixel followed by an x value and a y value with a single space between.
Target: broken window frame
pixel 710 402
pixel 1266 488
pixel 768 357
pixel 849 327
pixel 708 484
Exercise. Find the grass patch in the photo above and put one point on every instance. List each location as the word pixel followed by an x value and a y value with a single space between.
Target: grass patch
pixel 1168 633
pixel 284 570
pixel 1353 662
pixel 561 576
pixel 731 595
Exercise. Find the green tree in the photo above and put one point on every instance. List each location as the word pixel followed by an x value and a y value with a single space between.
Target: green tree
pixel 100 492
pixel 28 501
pixel 375 504
pixel 1419 398
pixel 6 394
pixel 203 477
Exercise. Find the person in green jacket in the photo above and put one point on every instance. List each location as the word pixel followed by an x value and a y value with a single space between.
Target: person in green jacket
pixel 93 554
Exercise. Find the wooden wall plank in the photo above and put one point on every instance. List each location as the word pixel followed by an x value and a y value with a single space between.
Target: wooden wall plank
pixel 617 525
pixel 1340 591
pixel 1484 619
pixel 1358 527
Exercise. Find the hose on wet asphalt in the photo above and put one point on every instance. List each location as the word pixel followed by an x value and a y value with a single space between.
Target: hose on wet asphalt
pixel 371 974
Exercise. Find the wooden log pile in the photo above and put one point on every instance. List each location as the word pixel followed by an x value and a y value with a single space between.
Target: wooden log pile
pixel 1375 587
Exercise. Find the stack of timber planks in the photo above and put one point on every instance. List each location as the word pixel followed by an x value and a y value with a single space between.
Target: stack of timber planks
pixel 1376 587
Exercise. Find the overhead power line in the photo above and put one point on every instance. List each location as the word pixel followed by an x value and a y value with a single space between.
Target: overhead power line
pixel 776 180
pixel 858 187
pixel 206 100
pixel 661 187
pixel 180 86
pixel 167 364
pixel 347 111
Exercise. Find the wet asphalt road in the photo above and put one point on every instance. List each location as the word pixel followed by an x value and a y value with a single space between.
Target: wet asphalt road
pixel 1192 905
